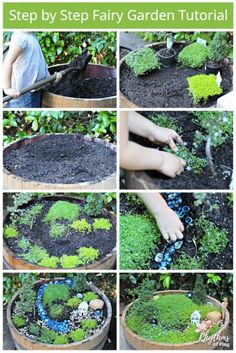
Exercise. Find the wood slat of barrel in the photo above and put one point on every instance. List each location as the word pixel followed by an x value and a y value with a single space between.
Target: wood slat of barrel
pixel 94 342
pixel 15 182
pixel 140 343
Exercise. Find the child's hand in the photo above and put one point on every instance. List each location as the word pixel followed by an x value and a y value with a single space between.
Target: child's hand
pixel 169 224
pixel 166 136
pixel 14 93
pixel 171 165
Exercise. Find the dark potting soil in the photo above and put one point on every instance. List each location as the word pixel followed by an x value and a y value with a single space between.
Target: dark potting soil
pixel 73 86
pixel 222 158
pixel 167 87
pixel 221 217
pixel 99 239
pixel 65 159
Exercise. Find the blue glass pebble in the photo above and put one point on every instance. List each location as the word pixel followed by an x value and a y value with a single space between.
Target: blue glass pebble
pixel 79 295
pixel 178 244
pixel 159 257
pixel 189 220
pixel 185 208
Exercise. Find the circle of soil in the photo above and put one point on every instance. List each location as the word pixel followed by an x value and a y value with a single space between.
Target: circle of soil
pixel 95 340
pixel 140 343
pixel 165 88
pixel 63 159
pixel 38 234
pixel 222 159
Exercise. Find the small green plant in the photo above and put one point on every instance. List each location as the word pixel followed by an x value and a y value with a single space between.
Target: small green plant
pixel 35 254
pixel 102 223
pixel 77 335
pixel 47 336
pixel 29 215
pixel 10 232
pixel 18 321
pixel 24 244
pixel 199 291
pixel 74 302
pixel 193 55
pixel 219 47
pixel 57 230
pixel 56 310
pixel 89 324
pixel 27 297
pixel 62 339
pixel 81 226
pixel 70 261
pixel 54 292
pixel 202 87
pixel 230 199
pixel 34 329
pixel 166 121
pixel 142 61
pixel 79 282
pixel 50 262
pixel 88 296
pixel 62 210
pixel 87 255
pixel 185 262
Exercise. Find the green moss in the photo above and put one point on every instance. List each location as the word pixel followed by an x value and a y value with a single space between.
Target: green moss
pixel 202 87
pixel 77 335
pixel 88 296
pixel 50 262
pixel 30 214
pixel 184 262
pixel 193 55
pixel 62 210
pixel 62 339
pixel 89 324
pixel 34 329
pixel 81 226
pixel 10 232
pixel 70 261
pixel 54 292
pixel 24 244
pixel 35 254
pixel 56 310
pixel 142 61
pixel 18 321
pixel 102 223
pixel 138 237
pixel 47 336
pixel 74 302
pixel 57 230
pixel 87 255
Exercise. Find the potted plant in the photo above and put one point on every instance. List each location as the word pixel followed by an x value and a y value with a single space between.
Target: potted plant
pixel 218 50
pixel 167 55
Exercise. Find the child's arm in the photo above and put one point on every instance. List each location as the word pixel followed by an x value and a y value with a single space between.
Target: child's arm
pixel 136 157
pixel 167 220
pixel 13 53
pixel 142 126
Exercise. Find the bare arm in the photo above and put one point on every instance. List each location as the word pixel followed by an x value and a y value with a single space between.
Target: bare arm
pixel 13 53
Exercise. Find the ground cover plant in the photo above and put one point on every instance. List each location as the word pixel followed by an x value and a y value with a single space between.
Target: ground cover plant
pixel 169 86
pixel 207 242
pixel 142 61
pixel 56 232
pixel 169 318
pixel 207 149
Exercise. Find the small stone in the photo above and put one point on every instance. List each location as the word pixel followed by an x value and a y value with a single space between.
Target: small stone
pixel 214 316
pixel 79 295
pixel 159 257
pixel 98 313
pixel 96 304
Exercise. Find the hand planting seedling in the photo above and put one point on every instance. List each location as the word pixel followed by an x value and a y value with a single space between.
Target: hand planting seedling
pixel 142 61
pixel 193 55
pixel 202 87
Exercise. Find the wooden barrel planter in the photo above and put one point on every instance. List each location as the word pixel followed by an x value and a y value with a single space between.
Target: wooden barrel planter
pixel 94 342
pixel 140 343
pixel 51 100
pixel 11 261
pixel 13 182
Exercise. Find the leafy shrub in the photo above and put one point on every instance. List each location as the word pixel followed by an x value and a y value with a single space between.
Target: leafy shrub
pixel 47 336
pixel 94 204
pixel 184 262
pixel 10 232
pixel 56 310
pixel 147 310
pixel 87 255
pixel 219 47
pixel 203 86
pixel 166 121
pixel 89 324
pixel 51 262
pixel 34 329
pixel 142 61
pixel 70 261
pixel 88 296
pixel 81 226
pixel 35 254
pixel 79 282
pixel 199 291
pixel 57 230
pixel 24 244
pixel 29 214
pixel 27 297
pixel 138 236
pixel 62 339
pixel 18 321
pixel 102 223
pixel 54 292
pixel 62 210
pixel 77 335
pixel 193 55
pixel 74 302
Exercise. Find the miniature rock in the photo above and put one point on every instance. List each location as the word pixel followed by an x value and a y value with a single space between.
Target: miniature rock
pixel 214 316
pixel 79 295
pixel 96 304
